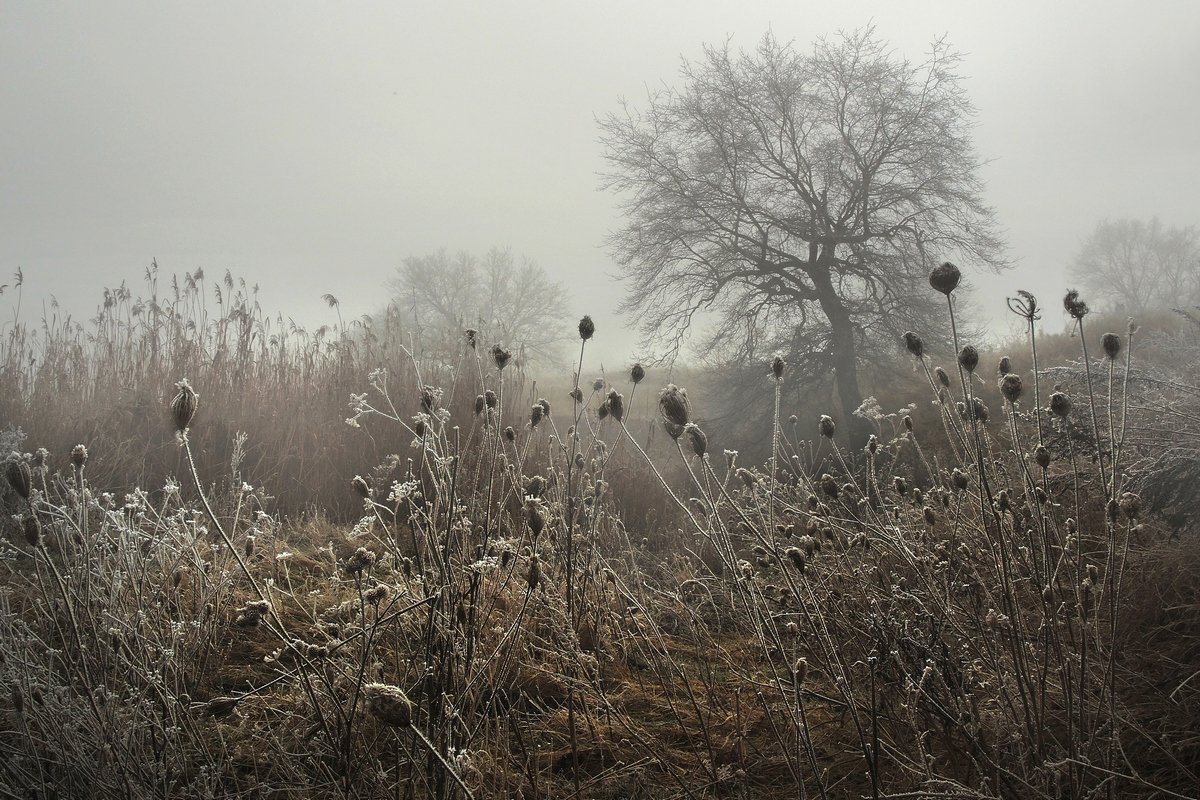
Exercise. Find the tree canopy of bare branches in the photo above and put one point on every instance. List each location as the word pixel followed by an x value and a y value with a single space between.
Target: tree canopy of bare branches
pixel 1135 266
pixel 506 300
pixel 800 200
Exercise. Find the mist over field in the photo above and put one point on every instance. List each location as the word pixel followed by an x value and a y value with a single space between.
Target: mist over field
pixel 549 401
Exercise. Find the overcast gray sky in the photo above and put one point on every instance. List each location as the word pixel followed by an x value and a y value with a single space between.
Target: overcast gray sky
pixel 308 147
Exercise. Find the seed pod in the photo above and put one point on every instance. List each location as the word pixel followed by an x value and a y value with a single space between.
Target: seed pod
pixel 914 344
pixel 501 356
pixel 576 394
pixel 79 456
pixel 830 486
pixel 545 404
pixel 489 398
pixel 1111 344
pixel 536 412
pixel 587 328
pixel 674 406
pixel 1005 366
pixel 616 405
pixel 968 358
pixel 900 485
pixel 1060 405
pixel 637 374
pixel 826 426
pixel 18 475
pixel 908 423
pixel 797 557
pixel 1042 456
pixel 1074 306
pixel 945 278
pixel 183 407
pixel 698 439
pixel 510 434
pixel 388 704
pixel 472 337
pixel 942 376
pixel 1010 387
pixel 428 399
pixel 959 480
pixel 872 444
pixel 534 517
pixel 777 367
pixel 602 410
pixel 359 484
pixel 480 404
pixel 980 409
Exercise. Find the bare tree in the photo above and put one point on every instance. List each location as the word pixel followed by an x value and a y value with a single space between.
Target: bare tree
pixel 506 302
pixel 802 197
pixel 1135 265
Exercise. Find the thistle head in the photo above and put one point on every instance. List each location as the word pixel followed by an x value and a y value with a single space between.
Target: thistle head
pixel 1010 387
pixel 183 407
pixel 777 367
pixel 674 407
pixel 501 356
pixel 698 439
pixel 1060 405
pixel 914 344
pixel 472 337
pixel 536 412
pixel 1112 345
pixel 388 704
pixel 79 456
pixel 826 426
pixel 968 358
pixel 1004 367
pixel 1074 306
pixel 637 373
pixel 587 328
pixel 945 278
pixel 942 376
pixel 616 405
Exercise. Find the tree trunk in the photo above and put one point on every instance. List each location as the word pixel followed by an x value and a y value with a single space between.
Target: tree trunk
pixel 845 354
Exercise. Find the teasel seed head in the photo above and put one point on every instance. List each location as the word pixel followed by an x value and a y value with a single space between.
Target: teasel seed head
pixel 637 373
pixel 945 278
pixel 616 405
pixel 389 704
pixel 914 344
pixel 1011 387
pixel 587 328
pixel 359 560
pixel 698 439
pixel 16 470
pixel 1041 456
pixel 472 337
pixel 830 486
pixel 959 480
pixel 1060 405
pixel 576 394
pixel 968 358
pixel 534 517
pixel 980 409
pixel 510 434
pixel 797 557
pixel 1074 306
pixel 79 456
pixel 942 376
pixel 908 423
pixel 873 444
pixel 480 404
pixel 777 367
pixel 545 404
pixel 930 517
pixel 183 407
pixel 360 486
pixel 900 485
pixel 675 408
pixel 1112 345
pixel 602 410
pixel 536 412
pixel 826 426
pixel 501 356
